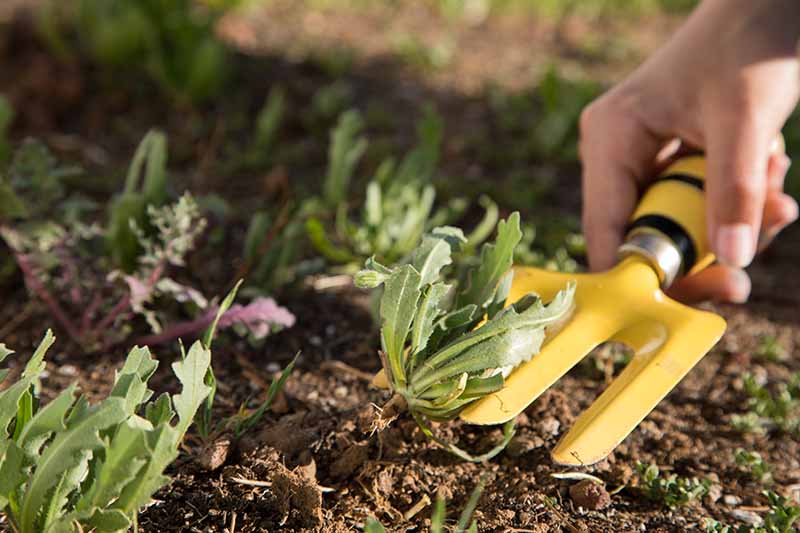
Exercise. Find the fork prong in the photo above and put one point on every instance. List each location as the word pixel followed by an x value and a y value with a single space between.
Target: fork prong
pixel 579 336
pixel 651 375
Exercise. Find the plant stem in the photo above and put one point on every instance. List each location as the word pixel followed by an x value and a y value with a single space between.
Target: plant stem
pixel 36 286
pixel 178 330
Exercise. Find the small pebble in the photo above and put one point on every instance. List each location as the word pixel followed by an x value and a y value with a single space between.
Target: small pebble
pixel 730 499
pixel 340 392
pixel 68 370
pixel 748 517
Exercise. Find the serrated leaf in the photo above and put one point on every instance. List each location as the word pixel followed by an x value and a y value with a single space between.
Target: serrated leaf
pixel 161 451
pixel 69 481
pixel 49 419
pixel 430 257
pixel 124 457
pixel 527 313
pixel 64 453
pixel 398 308
pixel 496 260
pixel 140 362
pixel 160 411
pixel 191 372
pixel 12 470
pixel 36 364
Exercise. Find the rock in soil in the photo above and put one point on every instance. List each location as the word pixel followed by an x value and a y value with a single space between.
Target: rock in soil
pixel 214 454
pixel 590 495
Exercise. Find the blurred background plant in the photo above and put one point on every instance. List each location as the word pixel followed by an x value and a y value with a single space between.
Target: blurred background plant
pixel 173 42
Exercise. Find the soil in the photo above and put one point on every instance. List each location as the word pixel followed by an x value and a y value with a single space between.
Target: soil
pixel 314 463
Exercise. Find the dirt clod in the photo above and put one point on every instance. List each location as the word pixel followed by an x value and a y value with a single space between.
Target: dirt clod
pixel 350 461
pixel 590 495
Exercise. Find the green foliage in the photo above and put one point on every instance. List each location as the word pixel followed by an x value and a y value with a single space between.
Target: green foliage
pixel 145 185
pixel 465 522
pixel 770 410
pixel 346 149
pixel 756 467
pixel 398 202
pixel 671 491
pixel 416 53
pixel 172 42
pixel 542 122
pixel 73 466
pixel 433 352
pixel 770 349
pixel 781 519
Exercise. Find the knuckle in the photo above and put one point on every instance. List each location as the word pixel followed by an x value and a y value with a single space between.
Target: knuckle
pixel 743 191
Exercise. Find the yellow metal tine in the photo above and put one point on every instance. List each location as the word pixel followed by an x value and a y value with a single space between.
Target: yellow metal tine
pixel 582 333
pixel 650 376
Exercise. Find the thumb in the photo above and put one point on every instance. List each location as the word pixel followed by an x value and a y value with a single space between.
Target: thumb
pixel 736 189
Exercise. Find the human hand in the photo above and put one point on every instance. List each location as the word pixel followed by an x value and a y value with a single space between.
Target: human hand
pixel 725 84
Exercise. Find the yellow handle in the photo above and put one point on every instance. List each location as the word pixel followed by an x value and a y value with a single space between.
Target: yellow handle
pixel 674 206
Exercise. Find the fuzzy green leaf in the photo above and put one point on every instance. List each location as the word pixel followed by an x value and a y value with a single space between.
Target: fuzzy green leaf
pixel 191 372
pixel 124 457
pixel 496 260
pixel 64 453
pixel 161 451
pixel 528 313
pixel 428 311
pixel 160 411
pixel 49 419
pixel 432 255
pixel 398 308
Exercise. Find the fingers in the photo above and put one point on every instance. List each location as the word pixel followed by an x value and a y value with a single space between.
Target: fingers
pixel 617 154
pixel 736 187
pixel 780 209
pixel 719 283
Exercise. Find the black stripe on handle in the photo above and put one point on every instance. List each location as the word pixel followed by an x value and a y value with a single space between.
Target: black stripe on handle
pixel 683 178
pixel 674 231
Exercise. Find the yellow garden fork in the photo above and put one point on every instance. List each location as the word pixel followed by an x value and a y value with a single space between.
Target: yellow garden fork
pixel 666 239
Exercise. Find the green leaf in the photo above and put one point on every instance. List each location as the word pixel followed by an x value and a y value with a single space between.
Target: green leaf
pixel 428 311
pixel 526 314
pixel 373 526
pixel 472 503
pixel 36 364
pixel 259 227
pixel 69 481
pixel 191 372
pixel 373 207
pixel 49 420
pixel 274 388
pixel 346 149
pixel 64 453
pixel 398 308
pixel 161 451
pixel 13 473
pixel 124 456
pixel 223 308
pixel 13 397
pixel 160 411
pixel 438 516
pixel 319 239
pixel 109 521
pixel 148 169
pixel 432 255
pixel 496 260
